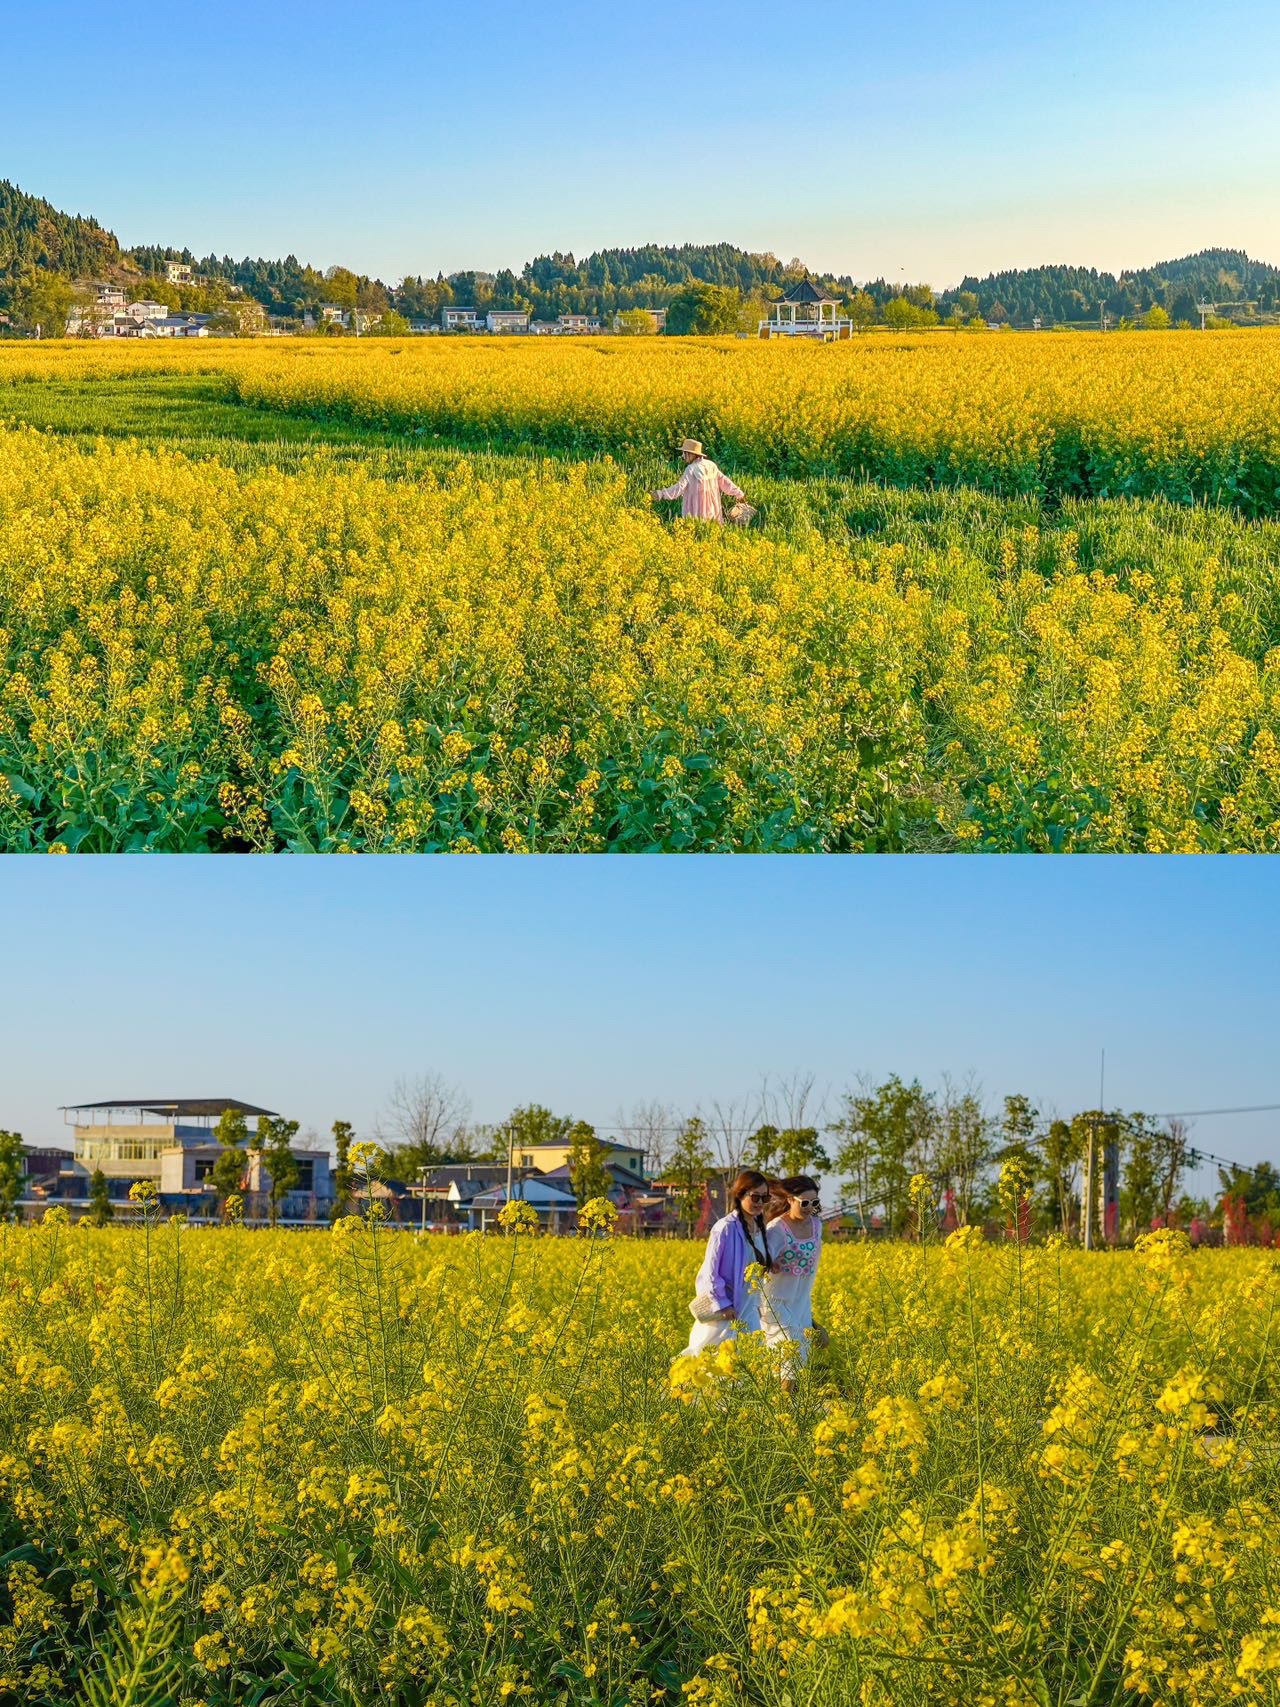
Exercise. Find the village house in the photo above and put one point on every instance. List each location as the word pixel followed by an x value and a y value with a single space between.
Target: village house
pixel 657 315
pixel 144 319
pixel 181 326
pixel 552 1201
pixel 249 316
pixel 445 1195
pixel 459 319
pixel 548 1158
pixel 577 323
pixel 185 1172
pixel 178 272
pixel 45 1170
pixel 507 320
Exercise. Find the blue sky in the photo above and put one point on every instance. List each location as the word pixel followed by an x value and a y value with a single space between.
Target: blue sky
pixel 398 137
pixel 309 985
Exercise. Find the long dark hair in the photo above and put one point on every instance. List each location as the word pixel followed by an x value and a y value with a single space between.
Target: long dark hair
pixel 782 1189
pixel 752 1225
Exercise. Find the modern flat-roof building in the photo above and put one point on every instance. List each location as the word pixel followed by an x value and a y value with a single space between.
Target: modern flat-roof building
pixel 126 1136
pixel 172 1140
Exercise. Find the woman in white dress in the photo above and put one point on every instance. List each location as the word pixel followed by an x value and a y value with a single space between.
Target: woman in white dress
pixel 795 1244
pixel 725 1305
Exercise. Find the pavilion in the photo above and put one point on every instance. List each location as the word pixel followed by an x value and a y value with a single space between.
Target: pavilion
pixel 807 311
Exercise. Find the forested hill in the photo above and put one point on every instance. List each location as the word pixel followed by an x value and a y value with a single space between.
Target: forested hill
pixel 34 234
pixel 39 243
pixel 602 283
pixel 1054 294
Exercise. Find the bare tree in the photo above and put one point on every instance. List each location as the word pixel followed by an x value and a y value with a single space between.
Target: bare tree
pixel 652 1127
pixel 729 1126
pixel 855 1154
pixel 790 1103
pixel 962 1142
pixel 1174 1155
pixel 426 1115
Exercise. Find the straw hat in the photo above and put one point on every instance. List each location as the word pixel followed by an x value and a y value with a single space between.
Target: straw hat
pixel 691 447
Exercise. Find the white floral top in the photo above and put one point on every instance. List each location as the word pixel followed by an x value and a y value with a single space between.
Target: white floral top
pixel 788 1289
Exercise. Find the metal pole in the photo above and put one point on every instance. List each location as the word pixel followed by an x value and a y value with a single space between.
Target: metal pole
pixel 1089 1167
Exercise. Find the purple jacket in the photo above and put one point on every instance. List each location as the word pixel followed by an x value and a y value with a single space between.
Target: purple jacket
pixel 724 1267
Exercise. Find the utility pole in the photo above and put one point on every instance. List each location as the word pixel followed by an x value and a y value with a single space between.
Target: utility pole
pixel 1091 1156
pixel 422 1181
pixel 1089 1164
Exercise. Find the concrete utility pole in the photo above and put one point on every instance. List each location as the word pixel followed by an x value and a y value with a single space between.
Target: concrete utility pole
pixel 422 1181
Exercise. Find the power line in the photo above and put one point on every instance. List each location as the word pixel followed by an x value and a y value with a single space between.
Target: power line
pixel 1194 1113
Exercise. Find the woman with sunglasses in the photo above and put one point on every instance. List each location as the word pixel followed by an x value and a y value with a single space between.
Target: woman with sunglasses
pixel 725 1304
pixel 795 1242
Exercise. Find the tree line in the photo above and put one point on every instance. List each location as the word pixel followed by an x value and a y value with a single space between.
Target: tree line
pixel 872 1138
pixel 704 287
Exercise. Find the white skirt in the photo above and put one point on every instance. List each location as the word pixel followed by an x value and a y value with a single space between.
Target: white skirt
pixel 782 1328
pixel 705 1335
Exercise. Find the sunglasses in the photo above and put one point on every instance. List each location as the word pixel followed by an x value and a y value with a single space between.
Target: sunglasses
pixel 809 1202
pixel 758 1196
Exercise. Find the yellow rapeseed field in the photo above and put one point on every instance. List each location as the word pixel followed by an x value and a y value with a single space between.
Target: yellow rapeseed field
pixel 370 648
pixel 1185 415
pixel 195 657
pixel 355 1467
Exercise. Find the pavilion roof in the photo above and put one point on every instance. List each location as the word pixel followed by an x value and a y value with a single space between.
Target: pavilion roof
pixel 804 290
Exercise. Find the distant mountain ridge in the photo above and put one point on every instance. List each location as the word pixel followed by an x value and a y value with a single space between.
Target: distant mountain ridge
pixel 36 237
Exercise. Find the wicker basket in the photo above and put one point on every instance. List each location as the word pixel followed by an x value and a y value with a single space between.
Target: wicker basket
pixel 741 514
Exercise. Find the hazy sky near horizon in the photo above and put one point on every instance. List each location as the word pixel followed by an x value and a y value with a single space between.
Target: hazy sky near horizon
pixel 309 985
pixel 398 137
